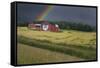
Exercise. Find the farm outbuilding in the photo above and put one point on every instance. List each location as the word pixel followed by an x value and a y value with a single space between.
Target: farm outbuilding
pixel 44 26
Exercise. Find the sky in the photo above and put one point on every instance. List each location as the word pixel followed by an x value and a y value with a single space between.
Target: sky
pixel 33 12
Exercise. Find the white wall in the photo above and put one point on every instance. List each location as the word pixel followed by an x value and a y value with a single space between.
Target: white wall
pixel 5 34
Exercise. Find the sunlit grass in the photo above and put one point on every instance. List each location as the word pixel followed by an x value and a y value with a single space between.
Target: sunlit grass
pixel 68 36
pixel 86 53
pixel 68 42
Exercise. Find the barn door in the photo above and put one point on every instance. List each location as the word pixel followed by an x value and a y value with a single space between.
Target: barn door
pixel 45 27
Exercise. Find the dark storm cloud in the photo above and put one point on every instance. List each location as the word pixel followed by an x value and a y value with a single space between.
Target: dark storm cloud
pixel 28 13
pixel 82 14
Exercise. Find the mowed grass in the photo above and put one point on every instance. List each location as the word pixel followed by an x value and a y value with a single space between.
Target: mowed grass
pixel 33 55
pixel 68 42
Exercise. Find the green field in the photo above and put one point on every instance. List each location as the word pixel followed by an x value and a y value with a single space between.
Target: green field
pixel 46 47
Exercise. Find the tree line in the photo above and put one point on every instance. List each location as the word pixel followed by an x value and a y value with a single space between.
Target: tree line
pixel 76 26
pixel 67 25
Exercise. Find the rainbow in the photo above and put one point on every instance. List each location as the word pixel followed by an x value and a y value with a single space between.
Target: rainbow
pixel 44 13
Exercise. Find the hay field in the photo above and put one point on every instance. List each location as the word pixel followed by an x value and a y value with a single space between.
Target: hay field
pixel 33 55
pixel 68 43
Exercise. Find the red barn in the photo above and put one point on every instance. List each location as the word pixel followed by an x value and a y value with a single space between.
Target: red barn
pixel 44 26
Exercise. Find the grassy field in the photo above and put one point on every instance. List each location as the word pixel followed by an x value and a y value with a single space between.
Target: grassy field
pixel 29 55
pixel 46 47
